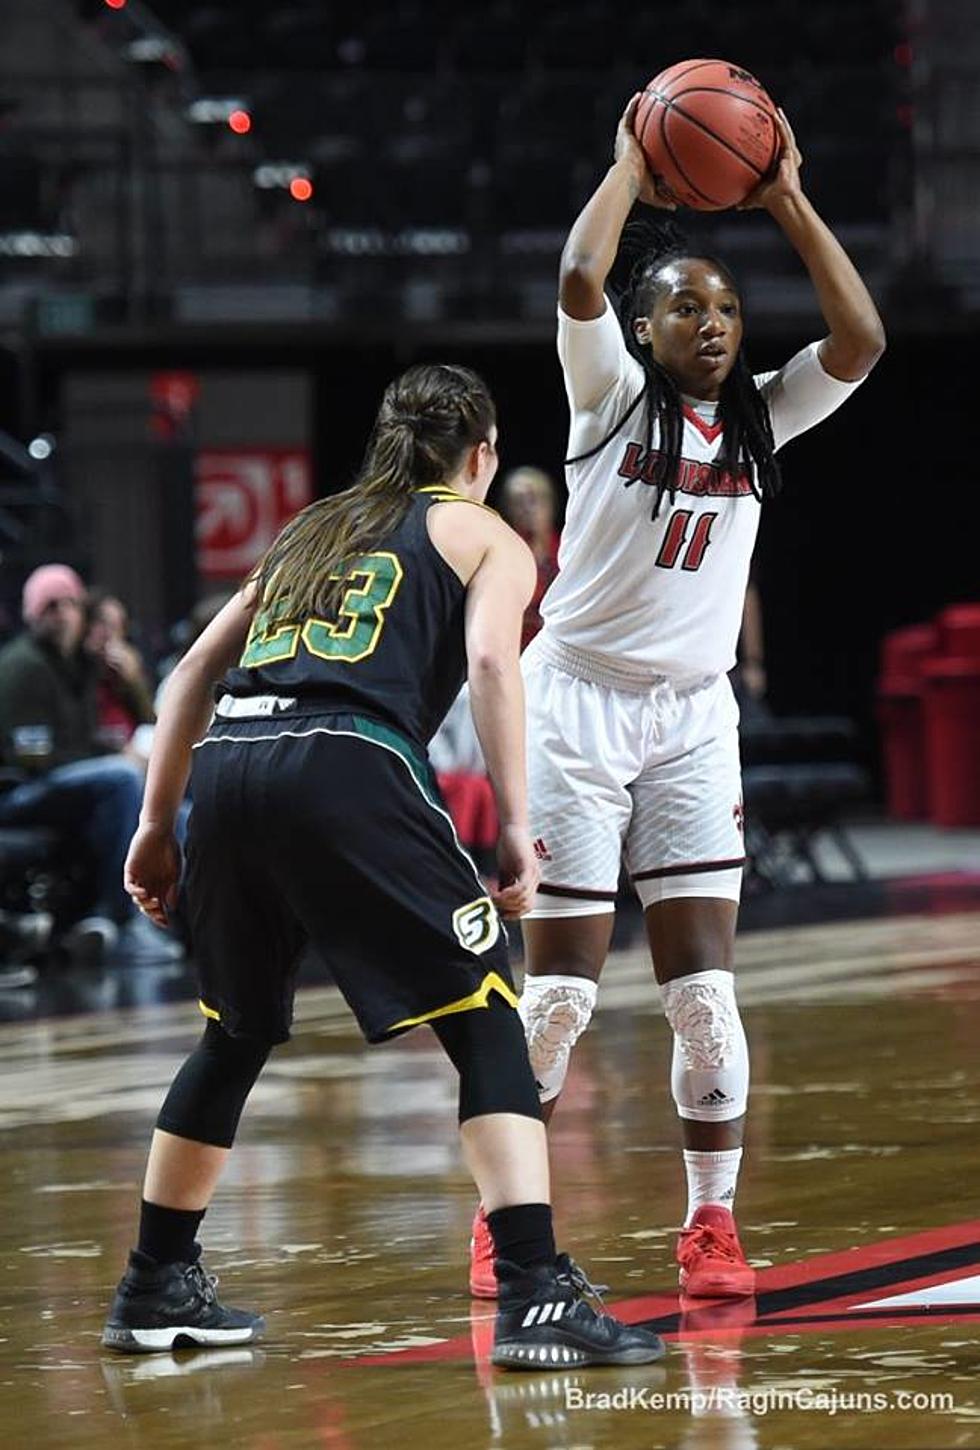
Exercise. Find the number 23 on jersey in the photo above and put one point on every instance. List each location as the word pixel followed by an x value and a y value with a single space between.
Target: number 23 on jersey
pixel 371 587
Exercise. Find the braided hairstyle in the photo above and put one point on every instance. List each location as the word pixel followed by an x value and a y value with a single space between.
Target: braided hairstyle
pixel 747 440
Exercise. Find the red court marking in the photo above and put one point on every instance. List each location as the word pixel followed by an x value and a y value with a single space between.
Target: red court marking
pixel 815 1316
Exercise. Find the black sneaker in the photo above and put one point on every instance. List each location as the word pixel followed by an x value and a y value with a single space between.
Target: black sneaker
pixel 543 1320
pixel 172 1306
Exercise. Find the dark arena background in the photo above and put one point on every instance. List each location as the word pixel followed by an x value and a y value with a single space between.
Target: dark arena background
pixel 224 227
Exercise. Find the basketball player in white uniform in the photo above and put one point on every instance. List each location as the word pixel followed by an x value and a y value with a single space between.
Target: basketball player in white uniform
pixel 632 725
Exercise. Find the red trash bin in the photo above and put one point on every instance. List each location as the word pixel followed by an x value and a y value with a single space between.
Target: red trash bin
pixel 903 654
pixel 951 709
pixel 959 630
pixel 903 651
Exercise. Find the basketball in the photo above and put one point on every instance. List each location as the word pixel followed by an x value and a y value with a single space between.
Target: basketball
pixel 709 130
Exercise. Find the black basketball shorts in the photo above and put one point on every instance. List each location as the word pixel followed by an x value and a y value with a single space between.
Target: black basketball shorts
pixel 330 828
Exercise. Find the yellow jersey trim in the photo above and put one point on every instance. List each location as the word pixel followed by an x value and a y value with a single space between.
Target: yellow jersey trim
pixel 492 982
pixel 209 1011
pixel 449 495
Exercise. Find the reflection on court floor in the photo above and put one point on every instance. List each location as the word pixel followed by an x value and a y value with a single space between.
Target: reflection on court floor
pixel 345 1213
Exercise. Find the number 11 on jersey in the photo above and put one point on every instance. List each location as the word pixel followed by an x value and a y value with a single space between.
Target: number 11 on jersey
pixel 675 537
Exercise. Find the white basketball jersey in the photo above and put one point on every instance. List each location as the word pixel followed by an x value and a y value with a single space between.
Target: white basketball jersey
pixel 659 596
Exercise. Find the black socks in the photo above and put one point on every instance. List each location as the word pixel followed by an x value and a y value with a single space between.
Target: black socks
pixel 523 1234
pixel 167 1234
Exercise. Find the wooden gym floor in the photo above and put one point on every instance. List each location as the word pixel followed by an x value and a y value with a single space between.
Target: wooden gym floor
pixel 345 1216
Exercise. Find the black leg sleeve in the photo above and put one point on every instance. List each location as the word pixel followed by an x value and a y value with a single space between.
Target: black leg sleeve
pixel 206 1097
pixel 486 1045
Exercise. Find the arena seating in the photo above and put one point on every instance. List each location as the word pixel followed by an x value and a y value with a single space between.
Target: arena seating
pixel 800 779
pixel 480 124
pixel 41 871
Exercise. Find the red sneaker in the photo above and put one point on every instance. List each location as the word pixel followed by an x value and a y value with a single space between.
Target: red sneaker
pixel 712 1265
pixel 483 1280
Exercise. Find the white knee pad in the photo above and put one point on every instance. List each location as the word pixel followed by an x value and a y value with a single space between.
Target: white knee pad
pixel 555 1011
pixel 709 1074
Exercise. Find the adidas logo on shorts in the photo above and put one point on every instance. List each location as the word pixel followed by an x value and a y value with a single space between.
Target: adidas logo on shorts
pixel 541 850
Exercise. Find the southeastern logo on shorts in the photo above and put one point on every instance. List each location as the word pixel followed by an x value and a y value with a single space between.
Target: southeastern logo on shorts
pixel 476 925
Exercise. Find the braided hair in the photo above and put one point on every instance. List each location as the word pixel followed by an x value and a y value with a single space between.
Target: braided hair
pixel 747 439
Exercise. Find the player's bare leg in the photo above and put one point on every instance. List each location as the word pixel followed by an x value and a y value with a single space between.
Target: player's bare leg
pixel 692 940
pixel 688 935
pixel 508 1157
pixel 560 947
pixel 563 957
pixel 165 1298
pixel 180 1173
pixel 506 1154
pixel 542 1318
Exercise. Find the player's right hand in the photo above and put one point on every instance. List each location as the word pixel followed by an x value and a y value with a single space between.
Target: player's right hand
pixel 518 870
pixel 152 871
pixel 784 180
pixel 627 151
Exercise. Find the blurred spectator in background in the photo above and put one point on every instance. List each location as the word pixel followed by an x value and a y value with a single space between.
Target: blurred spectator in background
pixel 22 935
pixel 528 503
pixel 123 697
pixel 183 635
pixel 458 762
pixel 749 678
pixel 49 731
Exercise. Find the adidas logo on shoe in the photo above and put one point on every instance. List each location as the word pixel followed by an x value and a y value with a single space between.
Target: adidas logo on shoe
pixel 541 1313
pixel 543 1320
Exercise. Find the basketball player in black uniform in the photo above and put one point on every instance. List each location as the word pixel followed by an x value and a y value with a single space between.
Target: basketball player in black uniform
pixel 316 816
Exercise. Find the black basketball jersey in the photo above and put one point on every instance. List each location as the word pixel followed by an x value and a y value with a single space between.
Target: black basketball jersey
pixel 396 649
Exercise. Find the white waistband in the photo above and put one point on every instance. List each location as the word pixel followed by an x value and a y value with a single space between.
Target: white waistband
pixel 252 707
pixel 600 670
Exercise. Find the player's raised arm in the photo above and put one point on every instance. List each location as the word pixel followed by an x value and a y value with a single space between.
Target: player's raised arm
pixel 856 338
pixel 591 247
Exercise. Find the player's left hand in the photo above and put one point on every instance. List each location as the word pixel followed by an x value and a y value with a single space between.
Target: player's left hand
pixel 784 181
pixel 152 871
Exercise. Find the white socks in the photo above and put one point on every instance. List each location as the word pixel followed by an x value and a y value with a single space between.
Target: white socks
pixel 711 1178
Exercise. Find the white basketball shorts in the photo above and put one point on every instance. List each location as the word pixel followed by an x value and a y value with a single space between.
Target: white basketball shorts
pixel 626 772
